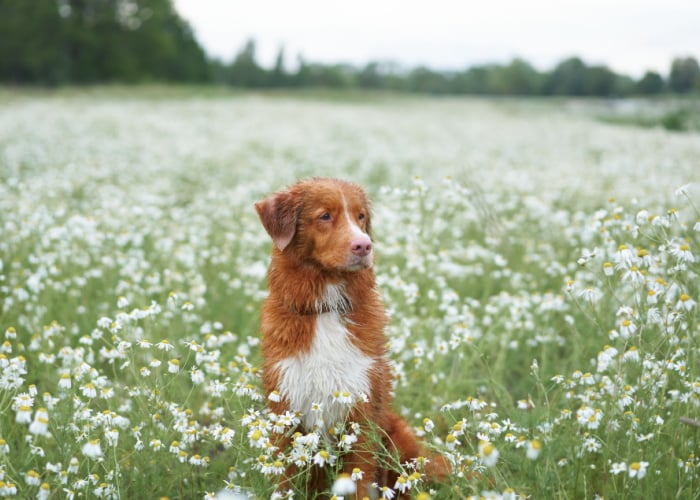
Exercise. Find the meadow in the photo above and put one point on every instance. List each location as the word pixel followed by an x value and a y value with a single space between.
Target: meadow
pixel 540 268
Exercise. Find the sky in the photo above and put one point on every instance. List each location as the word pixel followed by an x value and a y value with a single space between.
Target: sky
pixel 629 36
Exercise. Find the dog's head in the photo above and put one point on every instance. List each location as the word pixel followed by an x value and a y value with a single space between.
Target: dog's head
pixel 324 222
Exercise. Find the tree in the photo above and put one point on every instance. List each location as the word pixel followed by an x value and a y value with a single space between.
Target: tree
pixel 568 78
pixel 278 77
pixel 624 85
pixel 30 35
pixel 475 80
pixel 174 53
pixel 369 76
pixel 338 76
pixel 244 71
pixel 53 42
pixel 425 80
pixel 599 81
pixel 685 75
pixel 650 83
pixel 518 78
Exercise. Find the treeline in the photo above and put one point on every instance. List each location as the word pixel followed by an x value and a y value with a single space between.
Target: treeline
pixel 571 77
pixel 54 42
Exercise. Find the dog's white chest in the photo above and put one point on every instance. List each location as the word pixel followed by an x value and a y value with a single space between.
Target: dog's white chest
pixel 314 382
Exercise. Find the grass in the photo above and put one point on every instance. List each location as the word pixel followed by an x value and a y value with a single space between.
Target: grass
pixel 540 270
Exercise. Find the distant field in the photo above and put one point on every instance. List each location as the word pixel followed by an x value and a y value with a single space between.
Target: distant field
pixel 540 267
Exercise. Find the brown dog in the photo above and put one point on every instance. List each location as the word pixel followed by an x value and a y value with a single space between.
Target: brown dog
pixel 323 323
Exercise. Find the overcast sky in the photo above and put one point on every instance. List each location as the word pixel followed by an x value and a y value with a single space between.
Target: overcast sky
pixel 630 36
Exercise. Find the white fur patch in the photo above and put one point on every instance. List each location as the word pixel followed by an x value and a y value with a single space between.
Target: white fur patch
pixel 334 299
pixel 351 222
pixel 309 380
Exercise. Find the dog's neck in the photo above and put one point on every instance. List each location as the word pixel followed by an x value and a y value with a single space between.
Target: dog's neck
pixel 333 299
pixel 306 290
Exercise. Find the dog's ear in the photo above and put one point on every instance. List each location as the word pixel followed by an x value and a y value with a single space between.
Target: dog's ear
pixel 278 215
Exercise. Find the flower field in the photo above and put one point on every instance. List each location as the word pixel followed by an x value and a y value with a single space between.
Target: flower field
pixel 540 268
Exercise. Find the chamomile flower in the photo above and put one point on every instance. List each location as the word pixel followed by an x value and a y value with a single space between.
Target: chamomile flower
pixel 606 357
pixel 346 441
pixel 44 491
pixel 451 441
pixel 590 295
pixel 356 474
pixel 343 397
pixel 88 390
pixel 196 375
pixel 681 251
pixel 174 365
pixel 533 450
pixel 144 343
pixel 73 465
pixel 631 354
pixel 112 436
pixel 32 478
pixel 592 445
pixel 24 414
pixel 638 469
pixel 587 379
pixel 633 275
pixel 165 345
pixel 627 328
pixel 344 485
pixel 8 489
pixel 257 439
pixel 618 468
pixel 386 493
pixel 624 258
pixel 588 417
pixel 323 457
pixel 685 302
pixel 198 460
pixel 402 484
pixel 608 269
pixel 40 425
pixel 64 381
pixel 488 453
pixel 92 449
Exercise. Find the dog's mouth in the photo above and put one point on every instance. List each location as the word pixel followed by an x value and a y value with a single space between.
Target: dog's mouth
pixel 356 263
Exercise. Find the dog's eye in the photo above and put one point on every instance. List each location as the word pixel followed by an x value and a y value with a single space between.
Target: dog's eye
pixel 325 216
pixel 361 216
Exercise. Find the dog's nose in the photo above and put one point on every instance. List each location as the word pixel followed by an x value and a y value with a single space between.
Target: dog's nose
pixel 361 246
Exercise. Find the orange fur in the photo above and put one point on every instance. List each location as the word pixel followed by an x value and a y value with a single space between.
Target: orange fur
pixel 321 230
